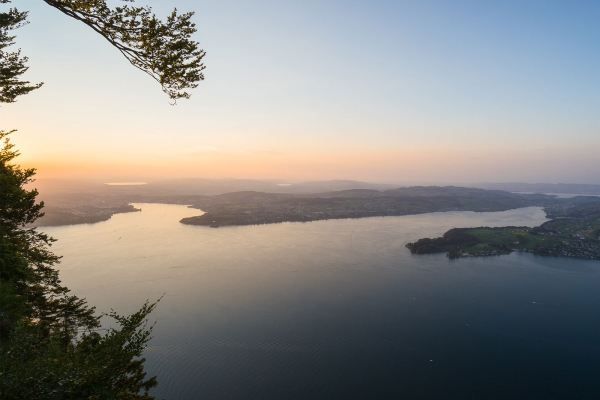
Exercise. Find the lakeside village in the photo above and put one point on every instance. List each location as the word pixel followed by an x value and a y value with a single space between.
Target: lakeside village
pixel 574 230
pixel 564 237
pixel 254 208
pixel 577 249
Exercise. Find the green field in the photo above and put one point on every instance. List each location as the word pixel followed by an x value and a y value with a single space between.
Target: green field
pixel 575 234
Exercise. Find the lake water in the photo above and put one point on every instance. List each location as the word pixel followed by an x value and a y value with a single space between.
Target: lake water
pixel 340 309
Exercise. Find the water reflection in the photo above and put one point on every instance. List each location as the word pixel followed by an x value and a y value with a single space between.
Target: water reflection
pixel 340 309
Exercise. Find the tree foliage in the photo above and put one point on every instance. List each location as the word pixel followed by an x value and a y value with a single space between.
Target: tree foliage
pixel 50 345
pixel 12 64
pixel 36 365
pixel 164 50
pixel 30 284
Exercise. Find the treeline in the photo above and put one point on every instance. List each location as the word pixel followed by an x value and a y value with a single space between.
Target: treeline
pixel 51 345
pixel 58 216
pixel 255 208
pixel 449 242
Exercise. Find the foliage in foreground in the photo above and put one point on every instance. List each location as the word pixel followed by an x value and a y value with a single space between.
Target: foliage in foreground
pixel 50 347
pixel 31 289
pixel 36 365
pixel 164 50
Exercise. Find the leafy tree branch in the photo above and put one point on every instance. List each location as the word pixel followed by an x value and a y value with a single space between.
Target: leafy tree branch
pixel 164 50
pixel 12 64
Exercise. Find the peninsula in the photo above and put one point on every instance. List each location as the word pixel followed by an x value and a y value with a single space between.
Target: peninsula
pixel 253 208
pixel 81 214
pixel 574 232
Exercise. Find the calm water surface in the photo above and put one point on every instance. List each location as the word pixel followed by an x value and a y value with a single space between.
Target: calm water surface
pixel 340 309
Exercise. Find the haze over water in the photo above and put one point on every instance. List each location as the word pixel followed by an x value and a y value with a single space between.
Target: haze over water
pixel 340 309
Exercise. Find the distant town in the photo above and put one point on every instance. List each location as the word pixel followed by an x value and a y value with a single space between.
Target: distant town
pixel 254 208
pixel 575 232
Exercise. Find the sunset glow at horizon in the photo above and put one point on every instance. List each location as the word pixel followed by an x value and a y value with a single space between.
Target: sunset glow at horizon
pixel 375 91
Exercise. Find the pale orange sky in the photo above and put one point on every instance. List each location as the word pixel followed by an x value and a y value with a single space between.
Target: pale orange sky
pixel 413 165
pixel 387 93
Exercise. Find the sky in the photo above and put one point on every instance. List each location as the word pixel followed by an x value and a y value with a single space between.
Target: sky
pixel 381 91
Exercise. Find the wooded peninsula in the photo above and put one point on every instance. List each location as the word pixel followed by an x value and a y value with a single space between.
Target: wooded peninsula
pixel 574 232
pixel 253 208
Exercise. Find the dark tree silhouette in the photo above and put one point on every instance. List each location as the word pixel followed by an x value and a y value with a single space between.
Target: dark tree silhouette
pixel 162 49
pixel 50 347
pixel 12 64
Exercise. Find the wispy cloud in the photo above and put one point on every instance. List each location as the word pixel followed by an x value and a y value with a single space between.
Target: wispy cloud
pixel 267 152
pixel 198 150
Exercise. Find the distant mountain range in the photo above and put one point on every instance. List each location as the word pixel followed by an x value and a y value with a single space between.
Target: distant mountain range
pixel 91 201
pixel 220 186
pixel 254 208
pixel 200 186
pixel 51 188
pixel 563 188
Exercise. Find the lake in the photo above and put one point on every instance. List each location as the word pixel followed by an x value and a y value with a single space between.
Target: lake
pixel 340 309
